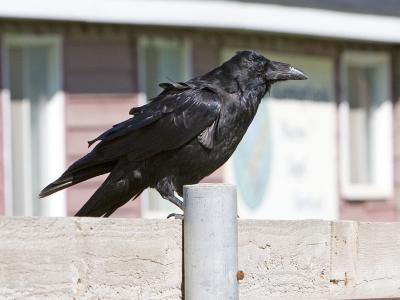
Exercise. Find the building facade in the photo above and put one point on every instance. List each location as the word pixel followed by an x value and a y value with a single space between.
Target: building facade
pixel 324 148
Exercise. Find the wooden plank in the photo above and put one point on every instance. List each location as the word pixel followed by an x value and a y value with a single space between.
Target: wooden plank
pixel 289 259
pixel 365 260
pixel 88 258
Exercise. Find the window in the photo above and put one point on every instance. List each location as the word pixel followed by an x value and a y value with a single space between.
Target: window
pixel 34 109
pixel 366 127
pixel 161 60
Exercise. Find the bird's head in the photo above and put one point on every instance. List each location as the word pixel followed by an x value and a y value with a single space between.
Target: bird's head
pixel 250 66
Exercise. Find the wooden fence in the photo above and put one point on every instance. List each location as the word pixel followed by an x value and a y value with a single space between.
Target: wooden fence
pixel 94 258
pixel 86 258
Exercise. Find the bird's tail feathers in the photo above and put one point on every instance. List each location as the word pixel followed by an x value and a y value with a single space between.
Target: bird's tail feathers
pixel 75 175
pixel 112 194
pixel 92 208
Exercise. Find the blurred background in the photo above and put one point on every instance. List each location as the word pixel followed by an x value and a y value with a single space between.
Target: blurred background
pixel 326 148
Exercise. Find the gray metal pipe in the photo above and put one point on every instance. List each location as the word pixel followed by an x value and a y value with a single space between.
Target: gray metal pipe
pixel 210 242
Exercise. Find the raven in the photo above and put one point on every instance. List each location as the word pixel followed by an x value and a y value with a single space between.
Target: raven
pixel 184 134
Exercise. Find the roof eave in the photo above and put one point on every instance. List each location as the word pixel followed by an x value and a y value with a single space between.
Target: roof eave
pixel 212 14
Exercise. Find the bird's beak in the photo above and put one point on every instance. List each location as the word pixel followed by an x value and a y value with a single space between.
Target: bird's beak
pixel 279 71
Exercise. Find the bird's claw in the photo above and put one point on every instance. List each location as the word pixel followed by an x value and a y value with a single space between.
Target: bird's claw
pixel 176 216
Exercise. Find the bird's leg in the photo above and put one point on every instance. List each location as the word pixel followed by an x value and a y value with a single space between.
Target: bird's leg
pixel 166 191
pixel 174 200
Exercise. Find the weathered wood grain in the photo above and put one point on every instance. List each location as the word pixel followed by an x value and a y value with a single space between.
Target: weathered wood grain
pixel 365 260
pixel 288 259
pixel 89 258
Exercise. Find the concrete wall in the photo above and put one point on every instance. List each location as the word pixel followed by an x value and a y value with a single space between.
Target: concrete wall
pixel 93 258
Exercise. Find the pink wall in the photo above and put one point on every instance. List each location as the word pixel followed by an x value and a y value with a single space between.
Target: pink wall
pixel 380 210
pixel 100 87
pixel 86 117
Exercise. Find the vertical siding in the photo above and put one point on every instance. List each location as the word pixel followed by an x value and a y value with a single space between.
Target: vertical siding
pixel 101 86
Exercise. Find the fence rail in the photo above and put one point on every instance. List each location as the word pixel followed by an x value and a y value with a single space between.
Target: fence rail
pixel 142 259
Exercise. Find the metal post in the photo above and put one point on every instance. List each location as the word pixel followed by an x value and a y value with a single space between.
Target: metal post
pixel 210 242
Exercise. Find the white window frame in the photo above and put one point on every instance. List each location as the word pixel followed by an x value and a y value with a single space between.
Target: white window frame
pixel 361 192
pixel 55 153
pixel 146 212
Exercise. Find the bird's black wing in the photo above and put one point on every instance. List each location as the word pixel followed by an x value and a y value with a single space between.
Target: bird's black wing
pixel 168 123
pixel 149 113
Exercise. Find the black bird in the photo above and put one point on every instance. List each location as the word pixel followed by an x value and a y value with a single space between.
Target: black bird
pixel 185 133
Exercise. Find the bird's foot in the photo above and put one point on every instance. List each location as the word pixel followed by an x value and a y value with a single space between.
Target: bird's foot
pixel 176 216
